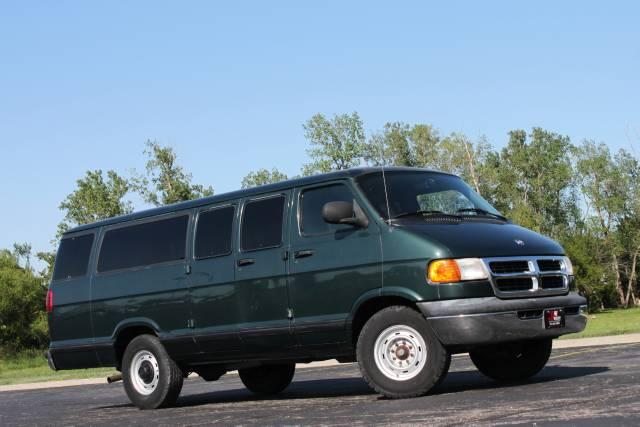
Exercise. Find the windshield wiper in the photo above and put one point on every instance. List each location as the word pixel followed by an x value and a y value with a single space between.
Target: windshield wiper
pixel 424 213
pixel 483 212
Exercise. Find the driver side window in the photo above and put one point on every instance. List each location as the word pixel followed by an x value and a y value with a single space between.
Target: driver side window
pixel 310 208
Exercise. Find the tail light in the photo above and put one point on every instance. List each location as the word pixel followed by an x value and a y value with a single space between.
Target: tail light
pixel 49 301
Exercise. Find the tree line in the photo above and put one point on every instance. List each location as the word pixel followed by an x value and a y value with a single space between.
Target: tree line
pixel 580 194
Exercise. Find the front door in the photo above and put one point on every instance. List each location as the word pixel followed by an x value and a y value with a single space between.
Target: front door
pixel 332 265
pixel 261 275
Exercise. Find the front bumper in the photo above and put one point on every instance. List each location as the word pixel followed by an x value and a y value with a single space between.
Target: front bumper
pixel 489 320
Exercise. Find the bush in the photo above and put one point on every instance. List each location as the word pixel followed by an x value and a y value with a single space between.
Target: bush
pixel 22 317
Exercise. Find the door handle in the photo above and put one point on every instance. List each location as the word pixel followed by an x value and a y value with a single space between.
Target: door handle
pixel 246 261
pixel 303 254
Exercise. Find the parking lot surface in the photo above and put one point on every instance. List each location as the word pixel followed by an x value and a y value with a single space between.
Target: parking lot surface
pixel 582 386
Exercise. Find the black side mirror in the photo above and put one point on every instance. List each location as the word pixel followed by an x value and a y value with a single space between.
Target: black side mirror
pixel 344 213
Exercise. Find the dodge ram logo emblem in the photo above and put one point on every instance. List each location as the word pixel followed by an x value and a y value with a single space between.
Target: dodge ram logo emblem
pixel 519 242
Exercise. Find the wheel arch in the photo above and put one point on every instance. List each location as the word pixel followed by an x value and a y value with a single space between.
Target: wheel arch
pixel 373 301
pixel 127 330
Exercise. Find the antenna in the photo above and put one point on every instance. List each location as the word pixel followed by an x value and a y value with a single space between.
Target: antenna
pixel 384 179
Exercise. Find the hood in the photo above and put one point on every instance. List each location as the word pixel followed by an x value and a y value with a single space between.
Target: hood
pixel 484 239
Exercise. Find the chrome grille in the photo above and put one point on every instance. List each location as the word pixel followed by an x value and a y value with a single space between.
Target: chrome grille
pixel 509 266
pixel 510 284
pixel 549 265
pixel 552 282
pixel 514 277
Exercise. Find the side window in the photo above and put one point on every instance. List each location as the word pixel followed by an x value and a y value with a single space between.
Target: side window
pixel 144 244
pixel 73 255
pixel 311 203
pixel 213 232
pixel 262 224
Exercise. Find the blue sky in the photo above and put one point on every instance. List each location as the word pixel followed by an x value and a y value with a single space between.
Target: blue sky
pixel 229 84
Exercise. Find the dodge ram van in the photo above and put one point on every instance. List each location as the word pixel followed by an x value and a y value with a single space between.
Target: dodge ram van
pixel 395 268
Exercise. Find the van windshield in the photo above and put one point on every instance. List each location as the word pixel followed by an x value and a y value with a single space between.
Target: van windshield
pixel 421 192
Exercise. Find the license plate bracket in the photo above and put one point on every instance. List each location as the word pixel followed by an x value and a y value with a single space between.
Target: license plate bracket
pixel 554 318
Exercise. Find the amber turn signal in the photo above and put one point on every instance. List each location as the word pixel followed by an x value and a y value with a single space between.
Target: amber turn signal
pixel 444 271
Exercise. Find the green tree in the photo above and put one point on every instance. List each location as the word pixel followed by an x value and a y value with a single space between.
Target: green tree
pixel 95 198
pixel 628 240
pixel 534 180
pixel 336 144
pixel 391 147
pixel 628 232
pixel 593 273
pixel 22 318
pixel 48 258
pixel 166 182
pixel 609 186
pixel 458 154
pixel 400 144
pixel 424 141
pixel 22 252
pixel 262 177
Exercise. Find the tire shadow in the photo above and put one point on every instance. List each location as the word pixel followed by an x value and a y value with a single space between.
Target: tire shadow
pixel 455 382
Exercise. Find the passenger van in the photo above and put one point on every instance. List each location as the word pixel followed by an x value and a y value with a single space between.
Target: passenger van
pixel 395 268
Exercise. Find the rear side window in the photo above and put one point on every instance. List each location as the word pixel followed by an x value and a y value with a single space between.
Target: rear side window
pixel 144 244
pixel 73 255
pixel 213 233
pixel 312 202
pixel 262 224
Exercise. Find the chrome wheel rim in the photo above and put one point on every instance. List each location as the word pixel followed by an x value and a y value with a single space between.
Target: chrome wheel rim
pixel 400 352
pixel 144 372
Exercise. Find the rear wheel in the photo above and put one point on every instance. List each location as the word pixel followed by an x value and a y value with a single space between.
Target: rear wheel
pixel 399 355
pixel 512 361
pixel 151 378
pixel 267 379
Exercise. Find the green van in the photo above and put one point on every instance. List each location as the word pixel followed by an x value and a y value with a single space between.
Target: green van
pixel 395 268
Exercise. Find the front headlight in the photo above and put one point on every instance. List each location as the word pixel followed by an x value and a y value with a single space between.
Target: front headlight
pixel 456 270
pixel 568 266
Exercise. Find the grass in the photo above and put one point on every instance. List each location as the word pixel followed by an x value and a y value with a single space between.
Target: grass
pixel 30 367
pixel 611 322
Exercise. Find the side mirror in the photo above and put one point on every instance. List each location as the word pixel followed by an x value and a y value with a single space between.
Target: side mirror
pixel 344 213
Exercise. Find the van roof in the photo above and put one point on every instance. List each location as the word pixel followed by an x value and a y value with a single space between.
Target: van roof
pixel 249 192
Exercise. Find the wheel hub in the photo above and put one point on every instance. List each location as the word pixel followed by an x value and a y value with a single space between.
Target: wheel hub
pixel 400 352
pixel 144 372
pixel 403 352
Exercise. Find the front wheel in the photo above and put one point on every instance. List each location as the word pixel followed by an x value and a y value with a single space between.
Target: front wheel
pixel 399 355
pixel 512 361
pixel 267 379
pixel 151 378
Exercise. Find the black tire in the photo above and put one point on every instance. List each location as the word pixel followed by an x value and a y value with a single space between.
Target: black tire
pixel 512 361
pixel 435 358
pixel 169 375
pixel 268 379
pixel 447 365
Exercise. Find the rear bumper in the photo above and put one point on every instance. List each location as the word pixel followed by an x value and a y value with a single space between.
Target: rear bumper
pixel 478 321
pixel 50 361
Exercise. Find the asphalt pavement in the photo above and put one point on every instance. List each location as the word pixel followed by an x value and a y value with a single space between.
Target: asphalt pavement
pixel 580 386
